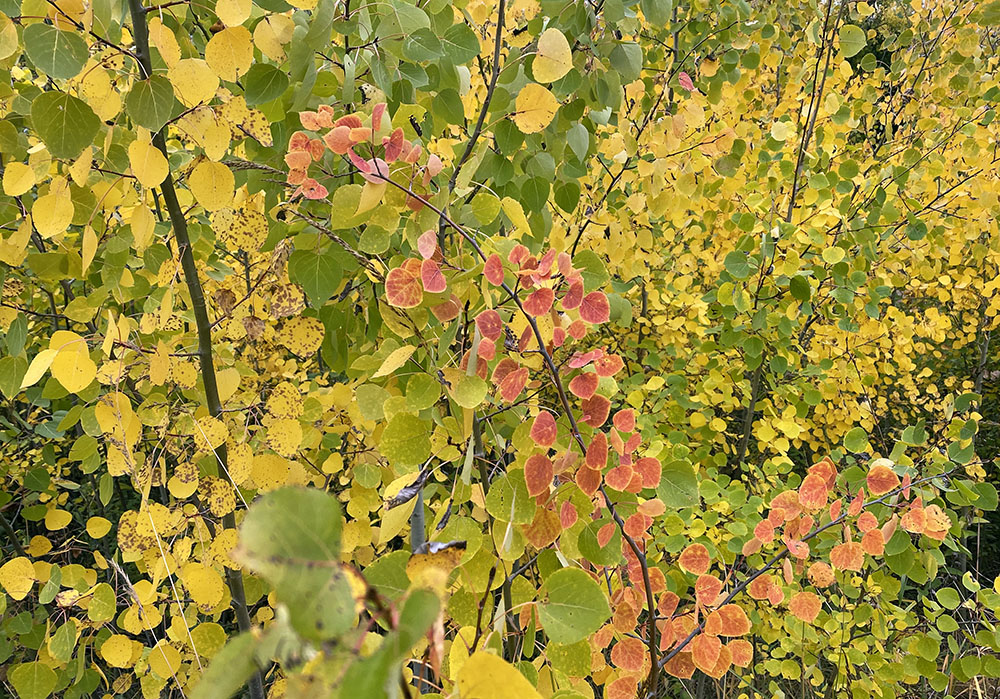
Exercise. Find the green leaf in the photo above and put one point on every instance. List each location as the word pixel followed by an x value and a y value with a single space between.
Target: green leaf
pixel 799 286
pixel 63 642
pixel 460 43
pixel 852 40
pixel 12 371
pixel 573 606
pixel 856 440
pixel 592 269
pixel 263 83
pixel 405 441
pixel 422 45
pixel 57 53
pixel 738 265
pixel 150 103
pixel 400 18
pixel 319 274
pixel 678 485
pixel 291 537
pixel 230 669
pixel 32 680
pixel 657 12
pixel 948 598
pixel 508 499
pixel 470 391
pixel 66 125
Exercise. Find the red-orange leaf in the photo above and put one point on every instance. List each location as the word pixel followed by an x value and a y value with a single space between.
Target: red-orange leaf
pixel 583 385
pixel 668 603
pixel 848 556
pixel 595 410
pixel 805 605
pixel 567 515
pixel 624 420
pixel 873 543
pixel 430 275
pixel 867 521
pixel 588 480
pixel 741 652
pixel 881 479
pixel 403 288
pixel 695 559
pixel 539 301
pixel 573 296
pixel 650 470
pixel 728 620
pixel 513 383
pixel 705 651
pixel 764 532
pixel 619 477
pixel 608 365
pixel 493 270
pixel 629 654
pixel 594 308
pixel 597 452
pixel 622 688
pixel 490 324
pixel 543 429
pixel 707 589
pixel 637 525
pixel 537 474
pixel 813 493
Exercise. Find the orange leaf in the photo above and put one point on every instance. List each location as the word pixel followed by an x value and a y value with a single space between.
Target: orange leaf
pixel 608 365
pixel 813 493
pixel 681 665
pixel 493 270
pixel 873 543
pixel 821 575
pixel 637 525
pixel 848 556
pixel 595 410
pixel 588 480
pixel 629 654
pixel 539 301
pixel 728 620
pixel 624 420
pixel 764 532
pixel 650 470
pixel 584 385
pixel 705 651
pixel 805 605
pixel 619 477
pixel 402 288
pixel 597 452
pixel 695 559
pixel 867 521
pixel 707 589
pixel 544 529
pixel 622 688
pixel 881 479
pixel 827 470
pixel 741 652
pixel 668 603
pixel 513 383
pixel 490 324
pixel 722 665
pixel 537 474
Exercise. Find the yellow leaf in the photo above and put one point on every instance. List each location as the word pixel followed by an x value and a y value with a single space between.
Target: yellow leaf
pixel 57 519
pixel 284 436
pixel 515 212
pixel 486 676
pixel 271 34
pixel 535 107
pixel 396 359
pixel 39 365
pixel 215 139
pixel 213 185
pixel 8 37
pixel 395 519
pixel 162 37
pixel 142 224
pixel 97 90
pixel 80 168
pixel 371 196
pixel 164 660
pixel 147 162
pixel 230 53
pixel 17 576
pixel 193 80
pixel 233 12
pixel 72 366
pixel 18 178
pixel 203 583
pixel 97 527
pixel 554 58
pixel 53 212
pixel 117 650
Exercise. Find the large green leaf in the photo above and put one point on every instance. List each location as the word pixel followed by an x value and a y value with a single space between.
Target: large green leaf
pixel 229 671
pixel 573 606
pixel 264 83
pixel 150 103
pixel 57 53
pixel 406 440
pixel 32 680
pixel 678 485
pixel 852 40
pixel 318 273
pixel 66 125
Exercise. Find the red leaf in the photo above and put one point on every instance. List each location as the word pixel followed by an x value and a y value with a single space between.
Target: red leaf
pixel 377 111
pixel 537 474
pixel 805 605
pixel 487 349
pixel 493 270
pixel 427 244
pixel 539 301
pixel 849 556
pixel 513 384
pixel 573 296
pixel 567 515
pixel 650 470
pixel 624 420
pixel 490 324
pixel 595 410
pixel 588 480
pixel 584 385
pixel 881 479
pixel 430 274
pixel 402 288
pixel 705 651
pixel 594 308
pixel 543 429
pixel 580 360
pixel 813 494
pixel 619 478
pixel 707 589
pixel 393 145
pixel 597 452
pixel 728 620
pixel 503 367
pixel 608 365
pixel 695 559
pixel 629 654
pixel 685 80
pixel 360 163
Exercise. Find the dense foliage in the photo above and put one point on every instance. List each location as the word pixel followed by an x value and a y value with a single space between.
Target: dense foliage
pixel 499 348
